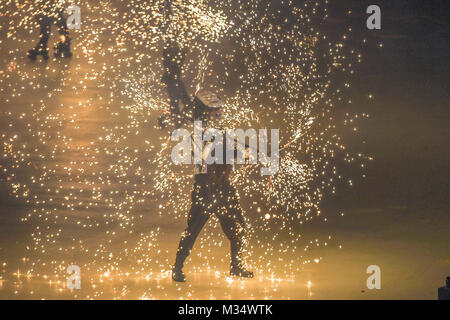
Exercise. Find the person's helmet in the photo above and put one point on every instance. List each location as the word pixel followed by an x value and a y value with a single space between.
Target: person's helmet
pixel 206 102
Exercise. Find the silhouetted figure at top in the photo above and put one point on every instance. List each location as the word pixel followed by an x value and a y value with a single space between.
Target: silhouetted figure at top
pixel 180 100
pixel 49 14
pixel 173 60
pixel 174 55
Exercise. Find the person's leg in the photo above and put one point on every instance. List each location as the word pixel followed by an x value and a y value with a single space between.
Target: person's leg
pixel 44 35
pixel 63 46
pixel 196 220
pixel 61 23
pixel 234 232
pixel 233 225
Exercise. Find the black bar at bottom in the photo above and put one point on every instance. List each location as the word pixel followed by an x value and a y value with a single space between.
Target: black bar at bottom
pixel 220 309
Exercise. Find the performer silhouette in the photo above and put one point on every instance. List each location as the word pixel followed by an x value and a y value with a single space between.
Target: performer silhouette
pixel 51 14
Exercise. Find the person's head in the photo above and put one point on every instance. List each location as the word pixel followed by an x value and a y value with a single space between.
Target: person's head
pixel 208 105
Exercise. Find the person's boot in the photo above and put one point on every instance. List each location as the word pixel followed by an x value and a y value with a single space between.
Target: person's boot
pixel 177 271
pixel 236 266
pixel 178 275
pixel 62 51
pixel 32 54
pixel 44 54
pixel 238 271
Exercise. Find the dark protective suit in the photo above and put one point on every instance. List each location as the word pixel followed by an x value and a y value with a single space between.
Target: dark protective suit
pixel 221 199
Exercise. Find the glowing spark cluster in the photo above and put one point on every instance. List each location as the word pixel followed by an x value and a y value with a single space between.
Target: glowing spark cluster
pixel 86 155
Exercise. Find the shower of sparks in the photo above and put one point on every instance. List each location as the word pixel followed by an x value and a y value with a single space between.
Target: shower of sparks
pixel 97 163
